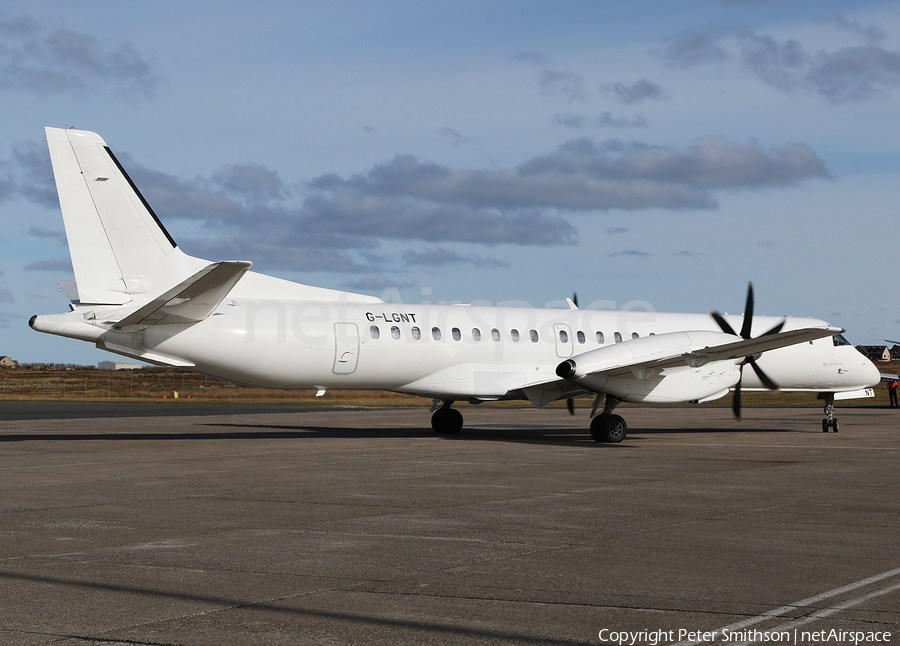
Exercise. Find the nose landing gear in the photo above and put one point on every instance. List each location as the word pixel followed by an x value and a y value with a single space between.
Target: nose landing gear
pixel 830 421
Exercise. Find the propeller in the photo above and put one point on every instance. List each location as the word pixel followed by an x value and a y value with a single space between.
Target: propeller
pixel 751 359
pixel 570 403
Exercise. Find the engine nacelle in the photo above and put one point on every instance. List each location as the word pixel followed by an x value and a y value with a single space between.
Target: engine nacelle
pixel 614 369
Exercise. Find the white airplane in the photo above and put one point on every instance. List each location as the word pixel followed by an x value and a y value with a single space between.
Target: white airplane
pixel 137 294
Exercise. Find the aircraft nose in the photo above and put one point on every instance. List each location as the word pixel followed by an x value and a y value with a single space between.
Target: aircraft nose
pixel 871 376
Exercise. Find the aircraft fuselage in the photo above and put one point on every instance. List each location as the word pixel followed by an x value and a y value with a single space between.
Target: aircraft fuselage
pixel 452 351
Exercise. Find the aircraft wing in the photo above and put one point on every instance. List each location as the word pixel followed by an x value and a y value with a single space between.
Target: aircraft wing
pixel 680 349
pixel 659 357
pixel 760 344
pixel 192 300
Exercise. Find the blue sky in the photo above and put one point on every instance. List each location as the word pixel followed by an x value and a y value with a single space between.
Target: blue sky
pixel 649 154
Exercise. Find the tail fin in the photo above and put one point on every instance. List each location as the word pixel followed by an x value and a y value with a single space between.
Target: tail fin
pixel 119 248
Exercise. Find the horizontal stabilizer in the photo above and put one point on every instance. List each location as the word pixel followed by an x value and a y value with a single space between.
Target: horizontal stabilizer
pixel 192 300
pixel 146 355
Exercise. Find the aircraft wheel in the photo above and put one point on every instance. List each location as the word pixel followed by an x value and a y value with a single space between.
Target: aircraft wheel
pixel 597 428
pixel 447 421
pixel 616 429
pixel 834 425
pixel 825 425
pixel 608 428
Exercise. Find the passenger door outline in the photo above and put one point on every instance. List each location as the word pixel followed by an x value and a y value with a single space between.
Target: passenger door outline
pixel 346 348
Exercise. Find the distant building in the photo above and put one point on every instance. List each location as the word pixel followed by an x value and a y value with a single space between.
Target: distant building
pixel 895 353
pixel 119 365
pixel 6 362
pixel 875 352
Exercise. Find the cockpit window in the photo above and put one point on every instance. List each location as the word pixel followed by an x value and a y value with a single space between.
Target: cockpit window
pixel 838 339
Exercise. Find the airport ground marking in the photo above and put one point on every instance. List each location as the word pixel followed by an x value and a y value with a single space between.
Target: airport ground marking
pixel 783 446
pixel 783 610
pixel 825 612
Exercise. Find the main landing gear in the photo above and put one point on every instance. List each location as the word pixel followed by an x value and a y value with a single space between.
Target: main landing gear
pixel 446 420
pixel 607 427
pixel 830 421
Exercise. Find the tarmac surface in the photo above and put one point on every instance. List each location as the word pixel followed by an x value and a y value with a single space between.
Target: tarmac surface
pixel 219 525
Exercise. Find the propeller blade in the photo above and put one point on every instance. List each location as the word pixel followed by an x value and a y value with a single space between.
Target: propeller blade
pixel 570 404
pixel 748 313
pixel 763 377
pixel 774 330
pixel 736 398
pixel 575 298
pixel 723 324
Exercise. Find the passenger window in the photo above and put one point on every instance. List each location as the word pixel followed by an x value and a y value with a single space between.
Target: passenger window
pixel 495 334
pixel 374 331
pixel 436 333
pixel 580 336
pixel 534 336
pixel 600 338
pixel 563 337
pixel 476 334
pixel 618 337
pixel 635 335
pixel 416 333
pixel 514 334
pixel 395 332
pixel 457 335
